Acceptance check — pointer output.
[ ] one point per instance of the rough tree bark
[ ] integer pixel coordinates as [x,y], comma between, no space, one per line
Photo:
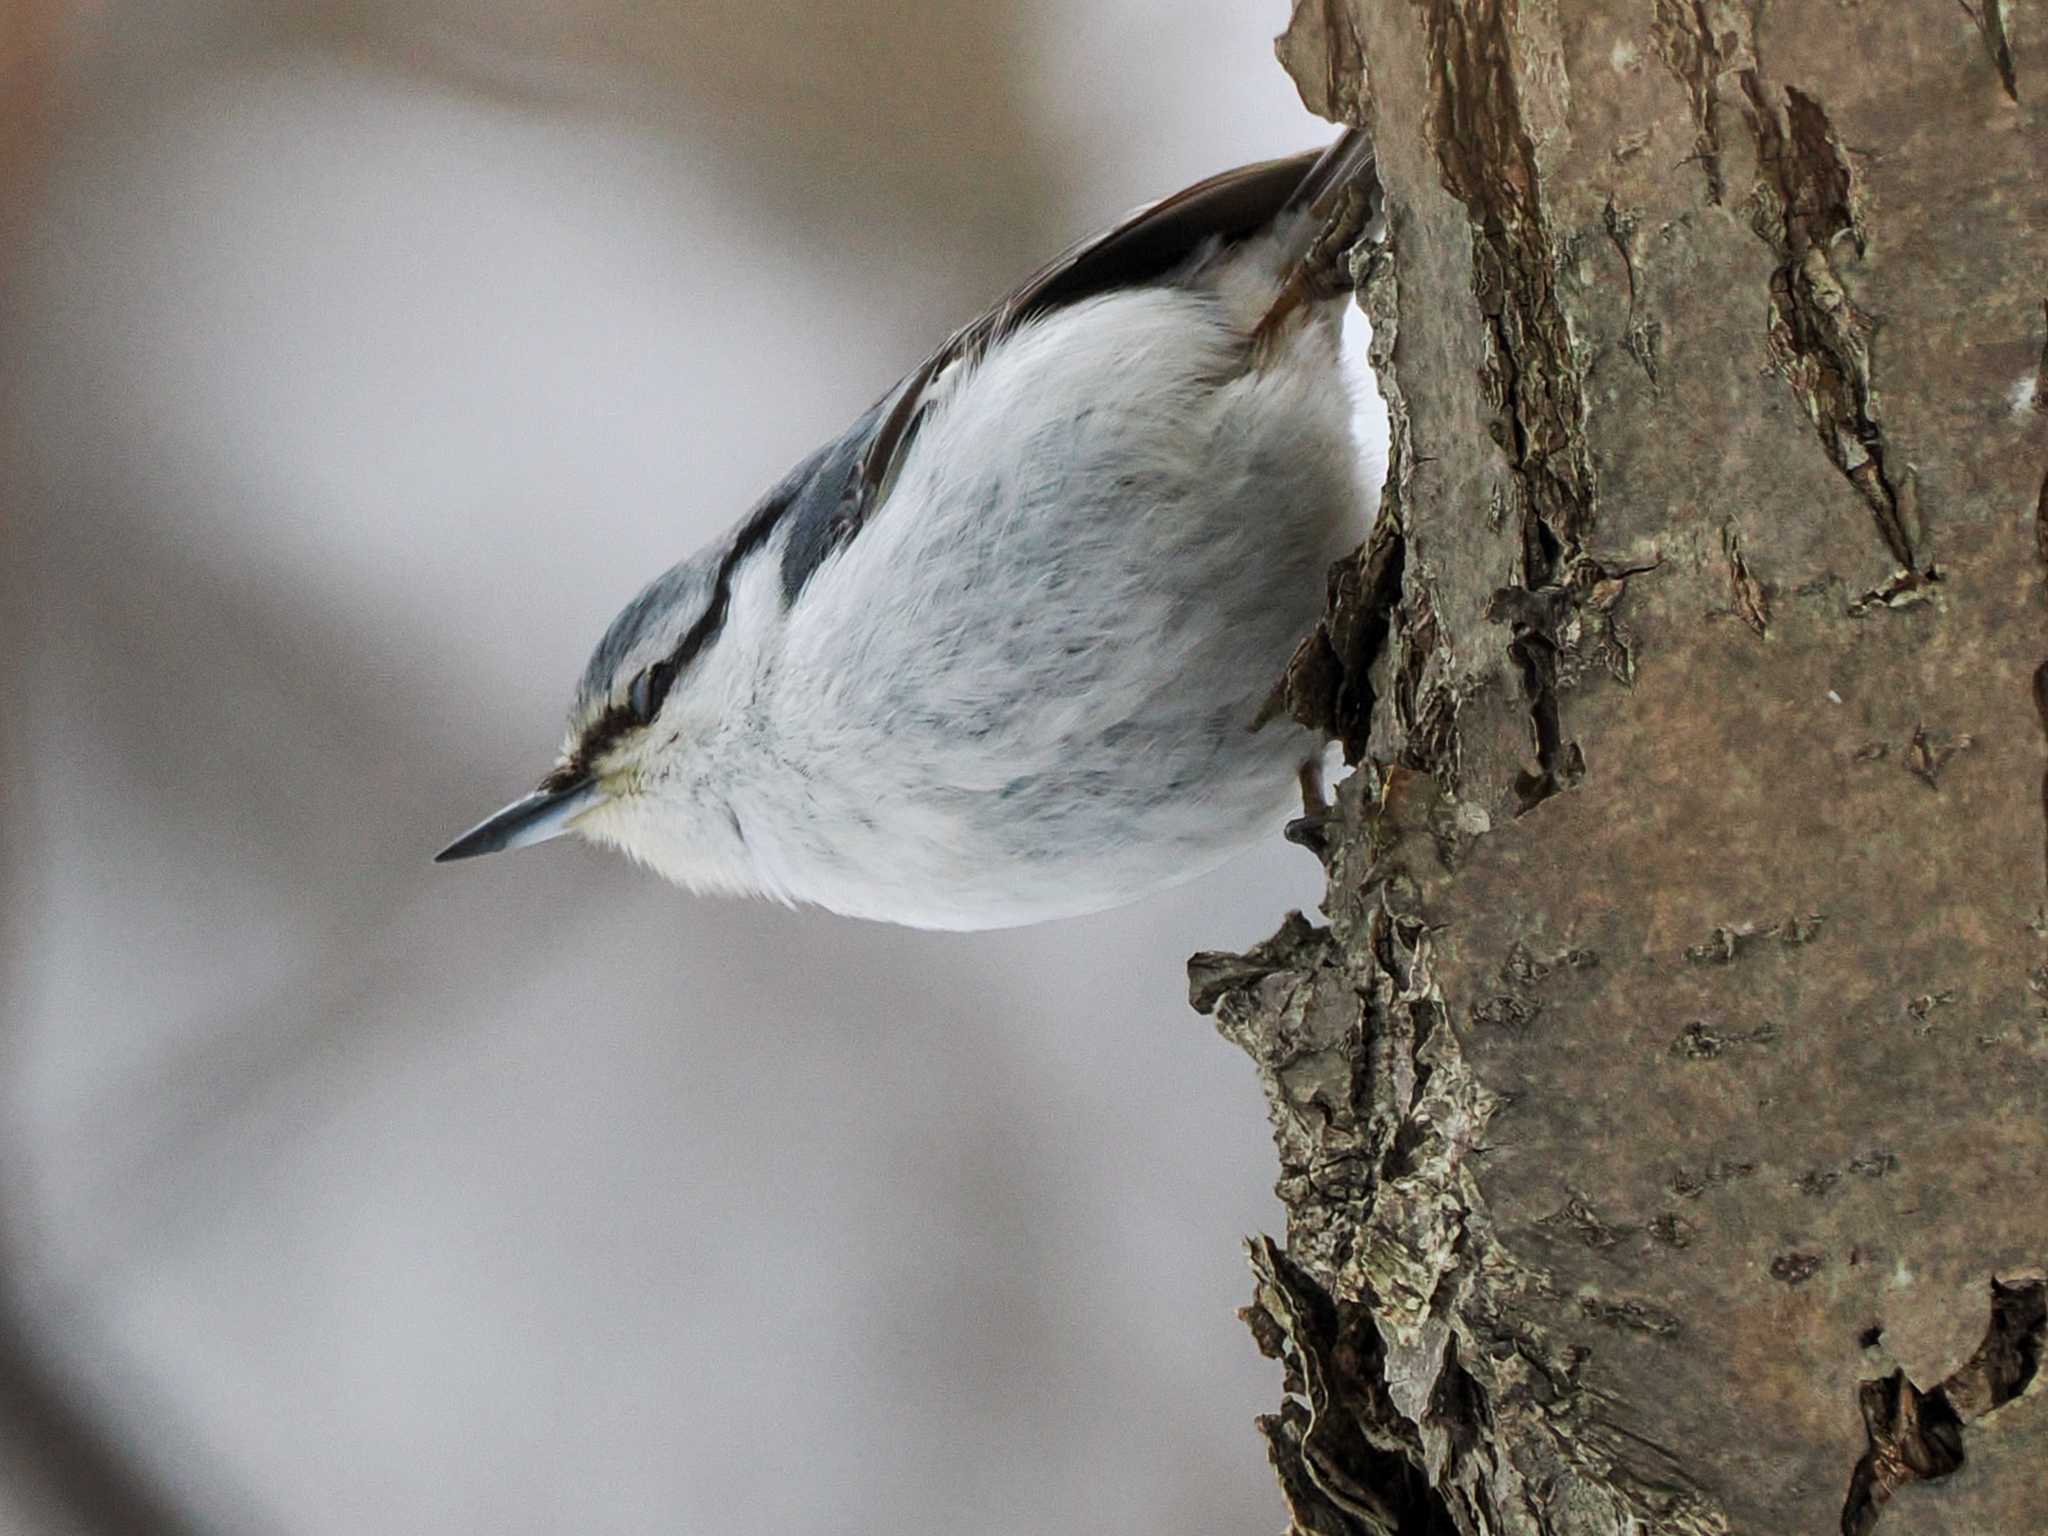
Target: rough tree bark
[1663,1110]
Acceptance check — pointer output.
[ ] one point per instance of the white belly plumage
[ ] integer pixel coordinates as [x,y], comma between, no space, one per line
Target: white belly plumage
[1026,690]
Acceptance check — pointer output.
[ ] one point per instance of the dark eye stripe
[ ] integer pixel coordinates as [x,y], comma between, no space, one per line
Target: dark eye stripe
[619,719]
[807,499]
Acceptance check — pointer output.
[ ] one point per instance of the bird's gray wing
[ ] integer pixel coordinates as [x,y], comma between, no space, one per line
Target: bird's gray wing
[826,500]
[1143,246]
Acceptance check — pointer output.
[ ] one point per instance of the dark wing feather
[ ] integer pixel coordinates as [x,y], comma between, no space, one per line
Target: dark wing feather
[1145,245]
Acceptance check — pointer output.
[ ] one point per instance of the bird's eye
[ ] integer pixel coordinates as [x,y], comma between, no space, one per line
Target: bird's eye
[645,693]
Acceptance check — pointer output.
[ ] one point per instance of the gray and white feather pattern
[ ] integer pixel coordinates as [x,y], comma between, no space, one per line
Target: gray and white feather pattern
[1020,683]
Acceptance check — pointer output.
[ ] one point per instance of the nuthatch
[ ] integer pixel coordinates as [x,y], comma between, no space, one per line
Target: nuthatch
[995,654]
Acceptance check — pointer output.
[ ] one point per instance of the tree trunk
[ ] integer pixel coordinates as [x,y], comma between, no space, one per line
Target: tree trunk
[1663,1111]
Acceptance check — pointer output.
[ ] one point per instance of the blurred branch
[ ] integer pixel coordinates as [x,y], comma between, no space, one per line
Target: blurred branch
[58,1459]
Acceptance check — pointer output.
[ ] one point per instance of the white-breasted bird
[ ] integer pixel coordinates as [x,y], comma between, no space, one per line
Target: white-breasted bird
[995,654]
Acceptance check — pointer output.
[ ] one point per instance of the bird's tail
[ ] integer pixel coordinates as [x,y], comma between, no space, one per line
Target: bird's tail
[1348,162]
[1340,204]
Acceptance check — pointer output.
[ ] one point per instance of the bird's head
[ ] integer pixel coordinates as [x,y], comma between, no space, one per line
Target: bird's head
[654,686]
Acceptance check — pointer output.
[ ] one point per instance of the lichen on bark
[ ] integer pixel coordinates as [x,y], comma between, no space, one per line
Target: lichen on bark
[1657,1097]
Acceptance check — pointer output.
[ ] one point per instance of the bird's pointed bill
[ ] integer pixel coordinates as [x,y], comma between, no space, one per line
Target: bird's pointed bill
[544,814]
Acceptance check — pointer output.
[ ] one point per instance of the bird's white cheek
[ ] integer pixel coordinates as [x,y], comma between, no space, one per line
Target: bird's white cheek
[680,840]
[635,826]
[611,822]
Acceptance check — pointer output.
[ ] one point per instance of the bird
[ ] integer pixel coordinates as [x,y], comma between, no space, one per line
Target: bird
[1005,651]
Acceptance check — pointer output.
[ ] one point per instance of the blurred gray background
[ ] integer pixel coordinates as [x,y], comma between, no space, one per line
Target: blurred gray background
[359,360]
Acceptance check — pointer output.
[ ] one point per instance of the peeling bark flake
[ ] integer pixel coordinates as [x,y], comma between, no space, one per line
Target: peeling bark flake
[1752,602]
[1928,755]
[1641,338]
[1328,685]
[1990,19]
[1918,1437]
[1398,1396]
[1333,1476]
[1802,207]
[1322,52]
[1698,56]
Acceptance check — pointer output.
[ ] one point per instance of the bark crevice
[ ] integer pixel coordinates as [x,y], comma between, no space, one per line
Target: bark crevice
[1918,1437]
[1533,378]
